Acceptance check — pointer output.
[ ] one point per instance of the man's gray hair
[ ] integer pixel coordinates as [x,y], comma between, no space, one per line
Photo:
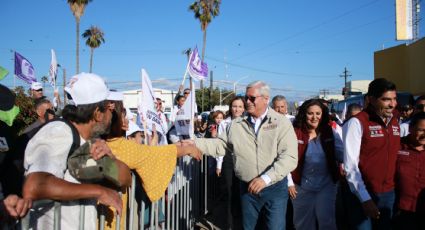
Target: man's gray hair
[278,98]
[263,88]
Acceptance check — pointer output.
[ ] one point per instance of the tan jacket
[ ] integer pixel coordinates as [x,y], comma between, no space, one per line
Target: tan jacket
[273,151]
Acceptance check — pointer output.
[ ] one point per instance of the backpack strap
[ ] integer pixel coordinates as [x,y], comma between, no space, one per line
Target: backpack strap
[75,135]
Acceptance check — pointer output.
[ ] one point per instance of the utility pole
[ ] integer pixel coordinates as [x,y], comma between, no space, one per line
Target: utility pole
[345,75]
[324,92]
[64,83]
[416,18]
[211,89]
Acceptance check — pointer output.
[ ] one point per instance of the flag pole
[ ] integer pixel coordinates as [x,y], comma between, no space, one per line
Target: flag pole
[145,126]
[141,115]
[185,74]
[14,74]
[187,68]
[192,91]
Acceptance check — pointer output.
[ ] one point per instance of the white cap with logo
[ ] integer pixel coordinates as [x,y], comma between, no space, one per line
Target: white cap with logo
[36,85]
[87,88]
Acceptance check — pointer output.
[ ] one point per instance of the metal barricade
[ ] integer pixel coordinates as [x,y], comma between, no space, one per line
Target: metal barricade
[184,202]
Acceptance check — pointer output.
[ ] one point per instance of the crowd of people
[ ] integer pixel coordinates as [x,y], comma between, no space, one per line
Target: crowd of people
[309,170]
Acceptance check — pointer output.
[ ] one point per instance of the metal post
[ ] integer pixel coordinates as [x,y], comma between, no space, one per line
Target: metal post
[132,200]
[102,217]
[57,216]
[64,83]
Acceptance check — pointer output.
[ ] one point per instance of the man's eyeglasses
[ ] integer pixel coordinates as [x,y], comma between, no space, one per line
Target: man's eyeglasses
[186,92]
[251,98]
[39,90]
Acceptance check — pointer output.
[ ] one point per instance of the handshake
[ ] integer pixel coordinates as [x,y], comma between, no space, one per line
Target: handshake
[188,147]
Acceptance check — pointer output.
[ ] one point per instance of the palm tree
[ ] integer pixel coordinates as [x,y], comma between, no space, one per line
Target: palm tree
[94,37]
[44,79]
[77,8]
[204,11]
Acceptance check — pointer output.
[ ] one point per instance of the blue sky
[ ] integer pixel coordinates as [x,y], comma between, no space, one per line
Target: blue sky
[298,47]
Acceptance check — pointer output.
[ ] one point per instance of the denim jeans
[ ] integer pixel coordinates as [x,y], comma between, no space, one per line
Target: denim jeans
[384,202]
[273,199]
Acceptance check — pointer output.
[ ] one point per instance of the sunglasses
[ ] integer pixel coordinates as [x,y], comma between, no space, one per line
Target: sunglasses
[186,92]
[39,90]
[50,111]
[251,98]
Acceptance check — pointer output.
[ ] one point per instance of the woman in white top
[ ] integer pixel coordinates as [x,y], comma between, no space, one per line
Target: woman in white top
[224,169]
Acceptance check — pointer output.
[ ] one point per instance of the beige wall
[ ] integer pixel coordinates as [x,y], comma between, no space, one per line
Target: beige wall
[404,65]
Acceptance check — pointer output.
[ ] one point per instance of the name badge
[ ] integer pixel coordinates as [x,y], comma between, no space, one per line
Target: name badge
[396,131]
[376,133]
[375,127]
[269,127]
[300,142]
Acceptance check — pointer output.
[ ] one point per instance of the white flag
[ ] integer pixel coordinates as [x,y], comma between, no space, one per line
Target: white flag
[146,105]
[53,71]
[184,118]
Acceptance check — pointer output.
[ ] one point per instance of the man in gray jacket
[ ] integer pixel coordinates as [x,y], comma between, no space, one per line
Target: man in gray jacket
[264,148]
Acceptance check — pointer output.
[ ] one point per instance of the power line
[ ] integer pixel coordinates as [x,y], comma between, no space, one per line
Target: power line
[307,30]
[268,71]
[330,36]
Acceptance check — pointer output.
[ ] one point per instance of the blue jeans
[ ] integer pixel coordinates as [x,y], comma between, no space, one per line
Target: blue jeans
[384,202]
[273,199]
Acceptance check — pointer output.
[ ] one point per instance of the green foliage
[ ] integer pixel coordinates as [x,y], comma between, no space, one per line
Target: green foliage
[94,36]
[27,113]
[205,10]
[211,100]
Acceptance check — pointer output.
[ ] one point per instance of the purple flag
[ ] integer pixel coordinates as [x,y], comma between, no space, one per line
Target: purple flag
[197,69]
[24,69]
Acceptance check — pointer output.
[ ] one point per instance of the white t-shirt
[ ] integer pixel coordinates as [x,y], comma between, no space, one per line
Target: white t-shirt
[47,152]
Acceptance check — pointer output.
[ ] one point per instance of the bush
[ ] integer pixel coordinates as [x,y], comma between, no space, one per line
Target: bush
[27,113]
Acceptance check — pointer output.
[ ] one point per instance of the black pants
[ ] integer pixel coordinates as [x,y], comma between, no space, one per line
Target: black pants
[230,193]
[409,220]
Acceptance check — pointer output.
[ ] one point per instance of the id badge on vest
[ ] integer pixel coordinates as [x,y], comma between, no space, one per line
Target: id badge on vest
[376,131]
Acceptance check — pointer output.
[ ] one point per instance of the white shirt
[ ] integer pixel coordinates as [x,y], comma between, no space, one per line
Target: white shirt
[221,129]
[404,129]
[174,113]
[257,122]
[290,117]
[352,137]
[47,152]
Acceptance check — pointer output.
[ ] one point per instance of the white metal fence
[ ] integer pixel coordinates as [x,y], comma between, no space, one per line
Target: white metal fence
[184,202]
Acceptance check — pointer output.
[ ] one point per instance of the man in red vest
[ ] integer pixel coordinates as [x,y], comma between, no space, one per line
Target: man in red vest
[371,142]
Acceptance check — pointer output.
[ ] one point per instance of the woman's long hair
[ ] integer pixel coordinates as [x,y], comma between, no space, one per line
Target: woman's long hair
[301,118]
[116,121]
[230,114]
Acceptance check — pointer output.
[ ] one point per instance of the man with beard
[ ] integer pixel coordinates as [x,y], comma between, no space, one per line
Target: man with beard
[47,176]
[371,142]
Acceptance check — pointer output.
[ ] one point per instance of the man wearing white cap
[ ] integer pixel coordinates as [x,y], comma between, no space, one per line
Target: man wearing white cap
[47,176]
[36,90]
